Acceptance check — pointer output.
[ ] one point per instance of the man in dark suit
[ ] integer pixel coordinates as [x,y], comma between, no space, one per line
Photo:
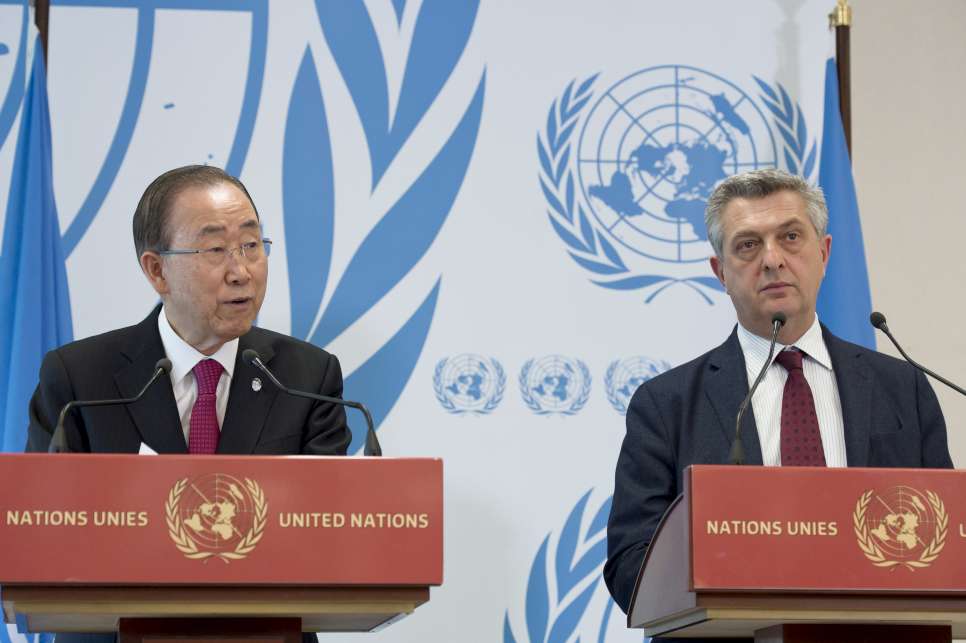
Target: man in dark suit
[198,240]
[768,231]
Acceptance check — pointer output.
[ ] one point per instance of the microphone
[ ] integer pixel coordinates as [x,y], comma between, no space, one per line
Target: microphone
[58,441]
[878,320]
[737,455]
[372,443]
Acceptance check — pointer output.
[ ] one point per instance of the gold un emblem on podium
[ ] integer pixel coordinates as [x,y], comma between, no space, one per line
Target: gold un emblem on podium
[216,515]
[901,526]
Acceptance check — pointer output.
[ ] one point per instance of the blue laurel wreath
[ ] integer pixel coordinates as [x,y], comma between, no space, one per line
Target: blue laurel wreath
[568,604]
[441,396]
[611,388]
[410,225]
[492,401]
[534,405]
[586,244]
[790,123]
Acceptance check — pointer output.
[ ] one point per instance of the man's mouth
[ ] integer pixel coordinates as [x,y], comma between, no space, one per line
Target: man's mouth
[239,301]
[777,285]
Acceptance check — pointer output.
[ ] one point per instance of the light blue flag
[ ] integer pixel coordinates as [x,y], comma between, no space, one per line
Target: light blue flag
[34,305]
[844,302]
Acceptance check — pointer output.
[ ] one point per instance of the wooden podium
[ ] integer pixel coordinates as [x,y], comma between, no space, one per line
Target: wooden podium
[800,554]
[217,547]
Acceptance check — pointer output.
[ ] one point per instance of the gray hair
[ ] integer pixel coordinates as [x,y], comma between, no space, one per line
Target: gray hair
[154,208]
[757,184]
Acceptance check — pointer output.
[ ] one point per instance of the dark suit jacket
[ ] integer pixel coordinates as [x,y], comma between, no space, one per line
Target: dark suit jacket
[687,416]
[118,363]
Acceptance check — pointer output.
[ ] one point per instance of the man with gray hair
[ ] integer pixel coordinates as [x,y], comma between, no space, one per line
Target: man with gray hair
[769,233]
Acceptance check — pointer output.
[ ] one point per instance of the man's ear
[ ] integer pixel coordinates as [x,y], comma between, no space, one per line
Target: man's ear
[153,269]
[718,270]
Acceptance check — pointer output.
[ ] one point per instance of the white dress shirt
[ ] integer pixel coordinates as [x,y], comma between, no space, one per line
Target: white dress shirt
[183,358]
[767,401]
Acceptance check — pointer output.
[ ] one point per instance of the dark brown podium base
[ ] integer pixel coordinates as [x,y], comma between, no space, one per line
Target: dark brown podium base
[210,630]
[809,633]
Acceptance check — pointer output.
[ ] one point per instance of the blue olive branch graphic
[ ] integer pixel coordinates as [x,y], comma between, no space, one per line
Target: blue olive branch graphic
[790,123]
[409,227]
[577,576]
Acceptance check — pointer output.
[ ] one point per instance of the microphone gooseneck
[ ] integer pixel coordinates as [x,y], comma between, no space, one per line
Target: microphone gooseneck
[58,441]
[372,447]
[737,455]
[878,320]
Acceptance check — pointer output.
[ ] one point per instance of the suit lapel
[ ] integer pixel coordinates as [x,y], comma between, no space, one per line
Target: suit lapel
[854,381]
[247,408]
[726,385]
[156,414]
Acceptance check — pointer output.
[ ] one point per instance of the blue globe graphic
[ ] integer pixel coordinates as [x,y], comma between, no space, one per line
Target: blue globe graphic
[468,381]
[654,146]
[554,381]
[634,371]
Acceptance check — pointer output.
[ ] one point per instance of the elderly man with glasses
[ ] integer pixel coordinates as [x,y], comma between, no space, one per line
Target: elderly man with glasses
[199,242]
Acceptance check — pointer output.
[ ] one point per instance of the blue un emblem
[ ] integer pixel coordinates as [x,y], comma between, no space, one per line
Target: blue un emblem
[627,194]
[469,383]
[624,376]
[654,146]
[555,385]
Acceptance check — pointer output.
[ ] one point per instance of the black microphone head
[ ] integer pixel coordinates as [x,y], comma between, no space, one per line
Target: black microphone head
[877,319]
[779,318]
[251,356]
[164,364]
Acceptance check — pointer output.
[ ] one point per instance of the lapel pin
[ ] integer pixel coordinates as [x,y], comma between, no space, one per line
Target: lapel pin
[256,385]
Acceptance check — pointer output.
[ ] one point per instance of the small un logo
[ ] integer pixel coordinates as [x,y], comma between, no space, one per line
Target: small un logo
[469,384]
[901,526]
[216,515]
[623,376]
[555,385]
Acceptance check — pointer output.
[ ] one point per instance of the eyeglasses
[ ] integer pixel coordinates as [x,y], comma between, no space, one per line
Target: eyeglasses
[250,251]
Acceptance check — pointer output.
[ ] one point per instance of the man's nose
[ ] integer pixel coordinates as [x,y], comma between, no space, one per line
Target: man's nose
[236,269]
[773,257]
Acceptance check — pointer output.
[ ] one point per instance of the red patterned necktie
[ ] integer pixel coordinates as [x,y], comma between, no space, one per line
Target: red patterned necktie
[801,440]
[203,428]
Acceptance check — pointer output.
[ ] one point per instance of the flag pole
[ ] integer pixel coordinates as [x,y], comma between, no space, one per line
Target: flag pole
[42,20]
[841,20]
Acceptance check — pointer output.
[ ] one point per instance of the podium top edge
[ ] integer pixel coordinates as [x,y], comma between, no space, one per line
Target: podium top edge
[219,457]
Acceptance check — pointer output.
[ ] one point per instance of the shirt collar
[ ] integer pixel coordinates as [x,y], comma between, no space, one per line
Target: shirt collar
[184,357]
[755,348]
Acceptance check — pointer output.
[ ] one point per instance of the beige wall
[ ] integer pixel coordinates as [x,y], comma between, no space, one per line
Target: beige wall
[909,159]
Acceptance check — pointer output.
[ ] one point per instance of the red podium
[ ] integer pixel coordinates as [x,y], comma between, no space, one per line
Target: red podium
[217,547]
[808,554]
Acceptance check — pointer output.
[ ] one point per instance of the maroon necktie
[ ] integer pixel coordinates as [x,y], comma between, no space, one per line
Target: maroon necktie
[203,428]
[801,441]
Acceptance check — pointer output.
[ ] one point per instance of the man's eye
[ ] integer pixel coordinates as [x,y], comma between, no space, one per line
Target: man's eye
[746,245]
[216,250]
[792,236]
[249,245]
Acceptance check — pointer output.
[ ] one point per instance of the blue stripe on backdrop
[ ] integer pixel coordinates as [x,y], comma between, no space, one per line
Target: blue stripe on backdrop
[844,302]
[35,315]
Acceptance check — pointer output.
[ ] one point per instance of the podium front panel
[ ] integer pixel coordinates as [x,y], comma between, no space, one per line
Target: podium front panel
[827,530]
[86,519]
